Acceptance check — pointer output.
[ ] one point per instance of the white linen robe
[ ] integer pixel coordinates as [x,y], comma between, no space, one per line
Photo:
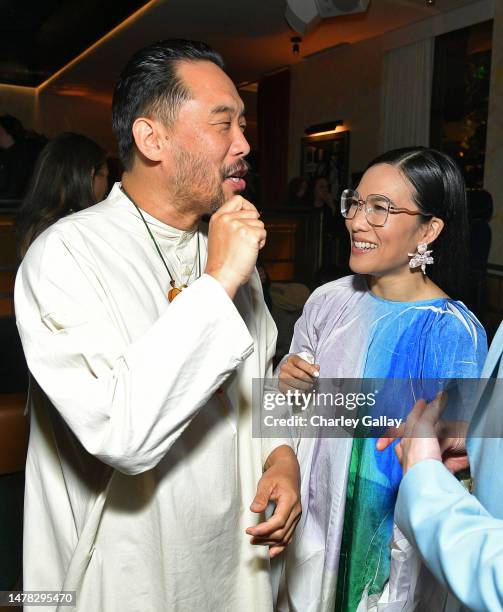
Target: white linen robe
[140,472]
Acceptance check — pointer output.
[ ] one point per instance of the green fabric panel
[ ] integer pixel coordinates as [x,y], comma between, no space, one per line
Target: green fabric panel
[344,591]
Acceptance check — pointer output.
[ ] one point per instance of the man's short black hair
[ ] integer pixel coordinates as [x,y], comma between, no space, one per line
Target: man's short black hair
[150,86]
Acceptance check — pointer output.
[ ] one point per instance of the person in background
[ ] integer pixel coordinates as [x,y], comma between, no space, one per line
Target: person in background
[335,244]
[394,319]
[297,192]
[320,196]
[459,535]
[16,162]
[71,174]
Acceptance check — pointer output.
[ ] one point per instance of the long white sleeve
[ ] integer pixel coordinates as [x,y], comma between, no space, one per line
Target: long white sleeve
[126,399]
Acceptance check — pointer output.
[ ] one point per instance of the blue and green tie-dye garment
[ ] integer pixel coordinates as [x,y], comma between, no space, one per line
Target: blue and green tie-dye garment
[349,489]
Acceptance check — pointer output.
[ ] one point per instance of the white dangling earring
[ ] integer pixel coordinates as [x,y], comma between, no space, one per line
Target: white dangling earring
[421,258]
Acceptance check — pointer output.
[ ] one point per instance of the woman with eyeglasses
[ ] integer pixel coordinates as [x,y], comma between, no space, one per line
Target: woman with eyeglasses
[396,318]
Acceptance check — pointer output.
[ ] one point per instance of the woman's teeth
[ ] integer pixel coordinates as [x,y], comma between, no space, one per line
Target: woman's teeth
[236,179]
[364,245]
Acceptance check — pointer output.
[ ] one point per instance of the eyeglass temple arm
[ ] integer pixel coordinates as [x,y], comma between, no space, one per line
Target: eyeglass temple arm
[395,211]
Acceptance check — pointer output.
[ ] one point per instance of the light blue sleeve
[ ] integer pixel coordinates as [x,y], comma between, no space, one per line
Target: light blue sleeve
[460,541]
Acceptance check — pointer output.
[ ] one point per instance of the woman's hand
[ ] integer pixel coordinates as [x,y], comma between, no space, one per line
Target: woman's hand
[297,374]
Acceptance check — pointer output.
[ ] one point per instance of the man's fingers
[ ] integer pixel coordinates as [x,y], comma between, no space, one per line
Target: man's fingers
[259,503]
[267,528]
[276,550]
[245,204]
[264,542]
[262,236]
[291,529]
[234,204]
[286,511]
[279,534]
[276,538]
[252,223]
[242,214]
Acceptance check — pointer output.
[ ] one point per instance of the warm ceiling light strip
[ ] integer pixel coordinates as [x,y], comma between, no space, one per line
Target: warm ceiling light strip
[99,42]
[325,133]
[12,86]
[329,127]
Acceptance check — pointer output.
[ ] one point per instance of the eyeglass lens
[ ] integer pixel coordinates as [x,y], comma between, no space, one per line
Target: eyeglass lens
[375,207]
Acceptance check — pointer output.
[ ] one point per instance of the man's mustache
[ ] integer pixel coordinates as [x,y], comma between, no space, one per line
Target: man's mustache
[240,168]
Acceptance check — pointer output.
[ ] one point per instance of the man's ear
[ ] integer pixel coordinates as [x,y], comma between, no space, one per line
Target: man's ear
[432,230]
[149,138]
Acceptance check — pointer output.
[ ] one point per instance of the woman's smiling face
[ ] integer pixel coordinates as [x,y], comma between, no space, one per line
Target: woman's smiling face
[379,251]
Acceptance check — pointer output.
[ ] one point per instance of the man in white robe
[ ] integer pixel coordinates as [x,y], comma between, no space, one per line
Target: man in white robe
[141,465]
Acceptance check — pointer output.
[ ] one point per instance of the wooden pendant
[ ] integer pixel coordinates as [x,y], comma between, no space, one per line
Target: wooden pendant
[174,291]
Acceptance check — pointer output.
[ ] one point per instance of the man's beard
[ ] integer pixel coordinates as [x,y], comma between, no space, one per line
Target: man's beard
[197,185]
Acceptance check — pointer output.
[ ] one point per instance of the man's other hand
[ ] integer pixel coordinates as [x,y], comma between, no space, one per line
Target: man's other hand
[280,483]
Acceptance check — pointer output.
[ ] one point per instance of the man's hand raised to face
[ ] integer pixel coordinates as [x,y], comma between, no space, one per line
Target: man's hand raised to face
[235,237]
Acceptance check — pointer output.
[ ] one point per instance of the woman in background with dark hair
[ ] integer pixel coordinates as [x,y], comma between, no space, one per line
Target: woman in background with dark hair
[71,174]
[394,319]
[297,192]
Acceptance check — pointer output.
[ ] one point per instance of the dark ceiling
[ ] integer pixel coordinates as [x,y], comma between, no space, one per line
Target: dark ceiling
[37,38]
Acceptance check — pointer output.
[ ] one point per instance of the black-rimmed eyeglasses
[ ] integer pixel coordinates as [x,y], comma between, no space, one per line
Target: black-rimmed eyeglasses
[376,207]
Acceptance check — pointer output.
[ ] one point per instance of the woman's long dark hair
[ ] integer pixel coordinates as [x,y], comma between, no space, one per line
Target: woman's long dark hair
[439,190]
[61,182]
